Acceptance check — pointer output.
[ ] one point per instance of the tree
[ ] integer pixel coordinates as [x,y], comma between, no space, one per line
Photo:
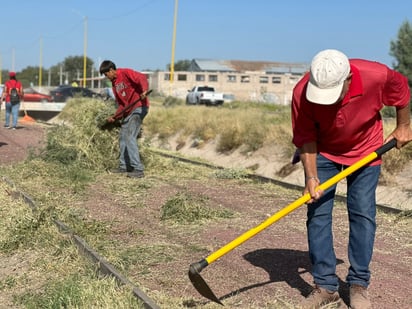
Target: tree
[29,76]
[70,69]
[74,66]
[401,50]
[181,65]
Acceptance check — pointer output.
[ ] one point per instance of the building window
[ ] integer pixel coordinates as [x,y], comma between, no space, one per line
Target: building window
[212,78]
[231,78]
[167,76]
[182,77]
[200,77]
[263,79]
[293,80]
[245,79]
[276,80]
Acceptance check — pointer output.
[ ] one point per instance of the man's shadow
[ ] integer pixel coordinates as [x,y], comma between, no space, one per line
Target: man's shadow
[3,144]
[284,265]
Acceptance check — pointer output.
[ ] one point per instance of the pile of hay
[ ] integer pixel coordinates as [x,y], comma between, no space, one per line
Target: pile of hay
[80,139]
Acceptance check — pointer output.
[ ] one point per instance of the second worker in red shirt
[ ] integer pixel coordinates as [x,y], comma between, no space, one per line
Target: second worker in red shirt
[336,121]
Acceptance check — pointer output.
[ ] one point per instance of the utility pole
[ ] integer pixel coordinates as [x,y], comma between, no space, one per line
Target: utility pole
[40,62]
[13,59]
[85,53]
[172,61]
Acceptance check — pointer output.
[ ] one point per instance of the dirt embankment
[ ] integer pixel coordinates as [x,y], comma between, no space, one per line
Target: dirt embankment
[270,161]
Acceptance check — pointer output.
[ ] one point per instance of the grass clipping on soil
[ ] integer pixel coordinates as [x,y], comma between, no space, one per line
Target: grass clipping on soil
[185,208]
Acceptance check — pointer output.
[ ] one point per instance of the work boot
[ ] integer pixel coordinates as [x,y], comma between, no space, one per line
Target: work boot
[320,297]
[119,170]
[359,298]
[136,174]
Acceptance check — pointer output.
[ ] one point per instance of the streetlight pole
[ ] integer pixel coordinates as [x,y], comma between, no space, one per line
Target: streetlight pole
[85,52]
[84,46]
[13,59]
[40,62]
[172,61]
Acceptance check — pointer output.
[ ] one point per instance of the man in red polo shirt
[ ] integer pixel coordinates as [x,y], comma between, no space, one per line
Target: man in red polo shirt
[129,88]
[336,122]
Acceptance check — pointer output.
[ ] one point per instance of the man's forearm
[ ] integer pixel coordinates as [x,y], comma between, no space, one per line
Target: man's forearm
[403,116]
[308,153]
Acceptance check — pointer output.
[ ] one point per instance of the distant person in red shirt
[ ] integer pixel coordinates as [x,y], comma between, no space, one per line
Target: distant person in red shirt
[336,122]
[129,89]
[12,102]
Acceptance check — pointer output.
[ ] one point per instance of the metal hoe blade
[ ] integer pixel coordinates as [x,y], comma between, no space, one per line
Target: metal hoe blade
[199,283]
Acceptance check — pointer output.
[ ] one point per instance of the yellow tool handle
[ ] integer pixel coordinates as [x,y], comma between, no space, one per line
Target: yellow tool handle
[299,202]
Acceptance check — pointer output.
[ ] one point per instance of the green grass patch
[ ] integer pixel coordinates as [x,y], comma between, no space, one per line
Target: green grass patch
[185,208]
[231,173]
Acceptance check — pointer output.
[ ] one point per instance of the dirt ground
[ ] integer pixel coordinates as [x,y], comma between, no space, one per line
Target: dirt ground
[274,265]
[15,145]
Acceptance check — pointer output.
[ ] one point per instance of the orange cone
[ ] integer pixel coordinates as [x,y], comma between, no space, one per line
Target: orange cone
[27,117]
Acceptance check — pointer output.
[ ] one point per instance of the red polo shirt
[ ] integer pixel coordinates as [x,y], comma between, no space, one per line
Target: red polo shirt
[128,86]
[347,131]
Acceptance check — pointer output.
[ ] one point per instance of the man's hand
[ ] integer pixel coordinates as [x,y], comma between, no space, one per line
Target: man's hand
[143,95]
[111,119]
[403,130]
[311,184]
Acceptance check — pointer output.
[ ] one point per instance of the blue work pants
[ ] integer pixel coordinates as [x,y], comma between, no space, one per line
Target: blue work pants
[361,207]
[129,151]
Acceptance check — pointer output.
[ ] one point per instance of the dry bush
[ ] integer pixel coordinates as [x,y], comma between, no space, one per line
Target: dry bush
[248,127]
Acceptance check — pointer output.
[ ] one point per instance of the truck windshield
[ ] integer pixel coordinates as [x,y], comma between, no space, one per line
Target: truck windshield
[211,89]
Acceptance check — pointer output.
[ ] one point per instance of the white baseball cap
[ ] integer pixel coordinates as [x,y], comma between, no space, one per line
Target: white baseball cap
[328,71]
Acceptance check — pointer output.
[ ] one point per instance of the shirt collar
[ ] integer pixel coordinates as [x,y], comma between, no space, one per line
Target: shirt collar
[356,87]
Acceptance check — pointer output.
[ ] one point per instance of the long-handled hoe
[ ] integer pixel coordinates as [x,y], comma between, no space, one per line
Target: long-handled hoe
[195,268]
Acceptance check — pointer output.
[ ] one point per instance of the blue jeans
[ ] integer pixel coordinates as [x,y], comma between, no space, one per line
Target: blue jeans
[129,150]
[13,110]
[361,206]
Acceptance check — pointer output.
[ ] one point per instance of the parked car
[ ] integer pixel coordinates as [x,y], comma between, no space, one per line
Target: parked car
[204,95]
[65,92]
[31,95]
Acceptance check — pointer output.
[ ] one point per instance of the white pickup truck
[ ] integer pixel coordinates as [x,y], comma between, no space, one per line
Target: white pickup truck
[204,95]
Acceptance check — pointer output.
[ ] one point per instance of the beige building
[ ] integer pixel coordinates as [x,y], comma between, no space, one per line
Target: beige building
[259,81]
